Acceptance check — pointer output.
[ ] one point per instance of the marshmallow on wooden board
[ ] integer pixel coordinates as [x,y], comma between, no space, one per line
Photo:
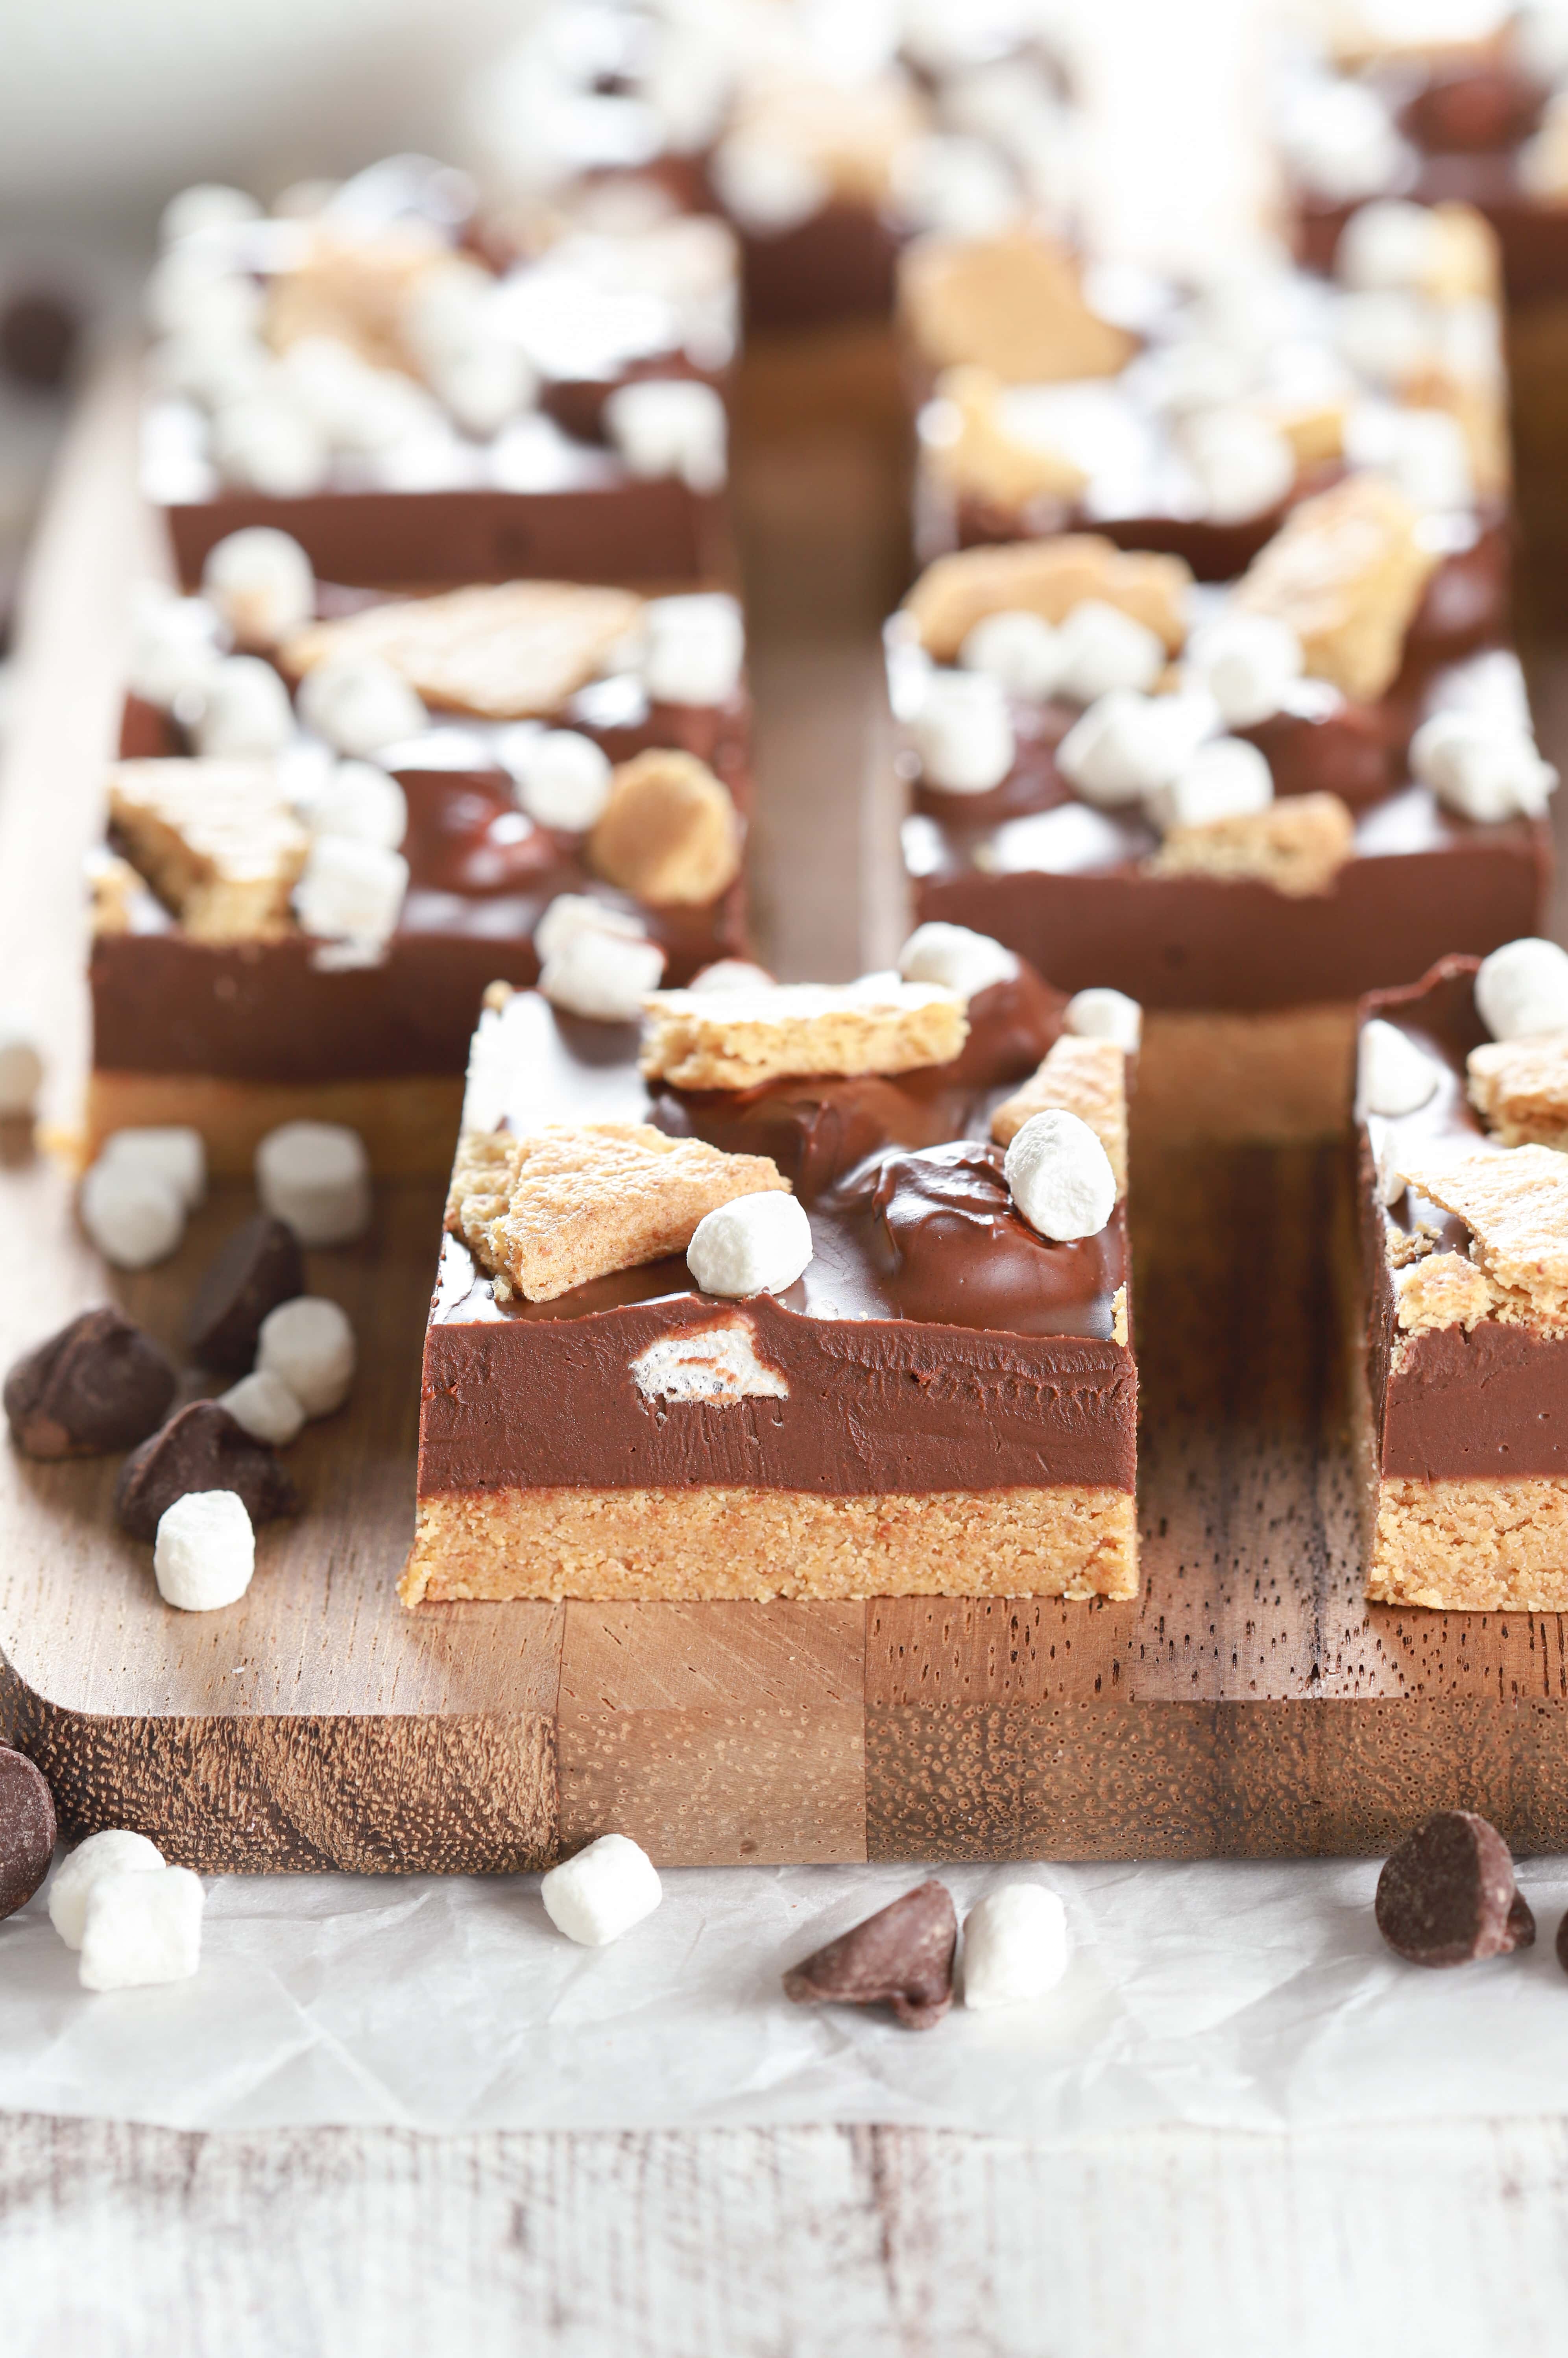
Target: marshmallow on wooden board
[577,913]
[359,704]
[135,1216]
[1060,1177]
[177,644]
[755,1244]
[266,1408]
[350,891]
[1247,663]
[1018,649]
[965,961]
[359,801]
[1015,1945]
[205,1550]
[562,779]
[695,647]
[264,443]
[1394,1076]
[963,733]
[1104,1014]
[308,1344]
[115,1851]
[1127,746]
[671,426]
[205,206]
[261,582]
[314,1176]
[21,1068]
[1522,988]
[1485,769]
[1225,779]
[172,1151]
[141,1929]
[1100,648]
[602,1892]
[601,973]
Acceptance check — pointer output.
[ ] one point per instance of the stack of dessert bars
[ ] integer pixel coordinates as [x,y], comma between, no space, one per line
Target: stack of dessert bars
[1223,804]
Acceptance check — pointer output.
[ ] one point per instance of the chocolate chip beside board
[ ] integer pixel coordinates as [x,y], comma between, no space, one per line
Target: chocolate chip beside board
[202,1448]
[1447,1895]
[27,1830]
[100,1384]
[257,1268]
[902,1957]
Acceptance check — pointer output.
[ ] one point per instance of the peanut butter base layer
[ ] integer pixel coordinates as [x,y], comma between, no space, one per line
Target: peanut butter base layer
[1470,1546]
[1074,1541]
[409,1126]
[1279,1078]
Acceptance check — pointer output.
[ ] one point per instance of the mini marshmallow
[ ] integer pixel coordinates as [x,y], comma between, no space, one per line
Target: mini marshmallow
[1019,649]
[175,646]
[732,974]
[142,1929]
[264,444]
[695,646]
[766,186]
[1225,779]
[308,1344]
[134,1218]
[1522,988]
[264,1404]
[1126,746]
[1060,1176]
[602,1892]
[1243,464]
[963,733]
[755,1244]
[1390,243]
[1247,664]
[359,705]
[671,426]
[1393,1075]
[262,583]
[174,1153]
[358,409]
[1384,335]
[1105,1014]
[1100,649]
[315,1176]
[359,802]
[1424,452]
[562,779]
[350,891]
[577,913]
[205,1550]
[21,1070]
[1015,1945]
[193,285]
[957,187]
[245,708]
[600,974]
[214,363]
[209,205]
[965,961]
[1391,1181]
[485,385]
[1484,769]
[447,310]
[115,1851]
[1340,138]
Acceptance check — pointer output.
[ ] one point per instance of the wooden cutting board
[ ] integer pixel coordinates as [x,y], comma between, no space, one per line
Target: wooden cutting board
[1246,1702]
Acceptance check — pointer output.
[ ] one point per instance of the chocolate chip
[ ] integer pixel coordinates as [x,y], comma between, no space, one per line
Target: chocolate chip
[27,1830]
[202,1448]
[902,1957]
[258,1267]
[1447,1894]
[99,1384]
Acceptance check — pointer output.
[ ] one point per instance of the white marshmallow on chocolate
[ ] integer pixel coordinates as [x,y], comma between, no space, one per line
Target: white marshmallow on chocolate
[1015,1945]
[1060,1176]
[1394,1076]
[308,1344]
[1390,243]
[671,426]
[361,803]
[766,186]
[351,891]
[1384,335]
[244,710]
[1391,1179]
[1340,138]
[577,912]
[214,363]
[359,705]
[266,1408]
[1105,1014]
[732,974]
[1126,746]
[115,1851]
[957,187]
[1225,779]
[1522,988]
[206,205]
[695,647]
[21,1070]
[265,443]
[173,1153]
[142,1930]
[594,972]
[965,961]
[358,408]
[314,1176]
[205,1550]
[602,1892]
[177,644]
[1483,768]
[755,1244]
[1423,451]
[1247,663]
[135,1218]
[194,285]
[963,733]
[562,779]
[261,582]
[485,383]
[1019,649]
[1243,464]
[1099,649]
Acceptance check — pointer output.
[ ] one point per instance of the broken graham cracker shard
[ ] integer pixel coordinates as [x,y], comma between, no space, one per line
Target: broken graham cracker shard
[974,453]
[1088,1078]
[571,1202]
[1443,1290]
[1048,577]
[738,1040]
[670,834]
[1347,571]
[216,840]
[513,651]
[1521,1089]
[1298,844]
[1514,1202]
[1013,304]
[354,289]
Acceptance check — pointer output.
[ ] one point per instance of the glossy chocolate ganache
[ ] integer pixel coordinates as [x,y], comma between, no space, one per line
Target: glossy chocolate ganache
[1492,1403]
[935,1341]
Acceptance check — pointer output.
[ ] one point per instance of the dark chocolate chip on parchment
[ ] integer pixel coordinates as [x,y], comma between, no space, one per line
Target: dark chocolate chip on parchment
[1447,1896]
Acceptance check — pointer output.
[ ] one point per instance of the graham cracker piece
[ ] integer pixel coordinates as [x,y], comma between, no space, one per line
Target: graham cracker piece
[739,1039]
[1088,1078]
[1047,577]
[1013,304]
[1298,844]
[1443,1290]
[574,1201]
[216,840]
[849,132]
[513,651]
[1347,571]
[1314,430]
[1520,1087]
[981,458]
[354,289]
[670,834]
[1515,1205]
[1405,1245]
[113,890]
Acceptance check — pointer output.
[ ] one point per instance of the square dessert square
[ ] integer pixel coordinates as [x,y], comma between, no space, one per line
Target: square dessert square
[514,748]
[1463,1374]
[941,1401]
[1243,806]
